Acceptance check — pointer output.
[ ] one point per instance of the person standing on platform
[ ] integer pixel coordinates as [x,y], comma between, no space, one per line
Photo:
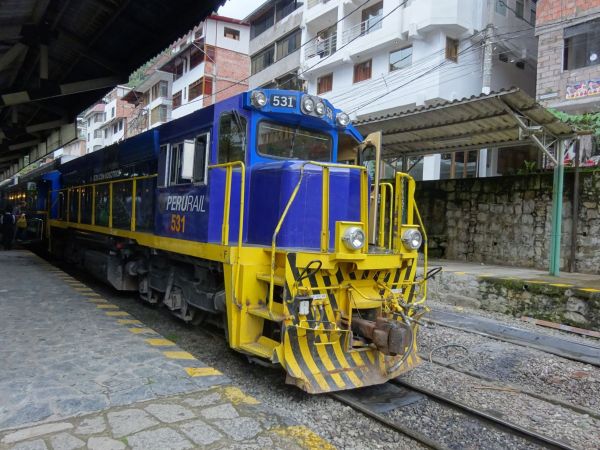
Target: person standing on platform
[8,228]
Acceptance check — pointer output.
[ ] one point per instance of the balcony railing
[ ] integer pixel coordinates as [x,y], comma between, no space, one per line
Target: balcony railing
[366,27]
[312,3]
[322,47]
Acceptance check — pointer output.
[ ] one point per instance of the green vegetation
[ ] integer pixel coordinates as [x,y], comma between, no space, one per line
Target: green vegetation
[585,122]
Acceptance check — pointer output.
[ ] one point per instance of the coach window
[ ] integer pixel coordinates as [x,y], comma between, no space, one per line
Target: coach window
[232,137]
[176,165]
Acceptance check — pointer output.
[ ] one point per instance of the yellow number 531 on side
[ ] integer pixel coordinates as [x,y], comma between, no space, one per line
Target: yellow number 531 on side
[177,223]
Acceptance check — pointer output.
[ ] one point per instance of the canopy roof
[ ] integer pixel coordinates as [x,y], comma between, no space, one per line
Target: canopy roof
[58,57]
[495,120]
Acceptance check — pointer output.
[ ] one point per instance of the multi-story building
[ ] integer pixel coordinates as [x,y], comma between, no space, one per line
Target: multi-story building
[568,76]
[384,56]
[94,118]
[106,121]
[208,64]
[275,40]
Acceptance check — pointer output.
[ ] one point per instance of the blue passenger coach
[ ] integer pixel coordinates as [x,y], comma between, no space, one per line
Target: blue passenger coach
[241,214]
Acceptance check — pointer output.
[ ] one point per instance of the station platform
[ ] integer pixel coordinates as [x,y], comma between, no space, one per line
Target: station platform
[570,298]
[78,372]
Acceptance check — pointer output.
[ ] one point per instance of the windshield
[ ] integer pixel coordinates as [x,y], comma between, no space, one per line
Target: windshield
[282,141]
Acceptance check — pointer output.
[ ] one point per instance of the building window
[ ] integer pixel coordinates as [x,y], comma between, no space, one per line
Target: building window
[160,89]
[195,89]
[106,133]
[501,7]
[262,23]
[97,134]
[362,71]
[121,124]
[196,57]
[288,44]
[231,33]
[177,100]
[372,18]
[112,112]
[179,69]
[88,137]
[289,81]
[98,118]
[532,17]
[158,114]
[210,53]
[325,83]
[452,49]
[115,128]
[89,122]
[399,59]
[519,9]
[284,9]
[582,45]
[263,59]
[208,86]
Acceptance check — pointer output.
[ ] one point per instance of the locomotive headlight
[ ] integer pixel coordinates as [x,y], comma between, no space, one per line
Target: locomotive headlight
[354,238]
[342,119]
[308,104]
[258,99]
[320,108]
[412,239]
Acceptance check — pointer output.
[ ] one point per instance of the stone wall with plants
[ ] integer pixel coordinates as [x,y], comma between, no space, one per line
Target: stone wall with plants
[507,220]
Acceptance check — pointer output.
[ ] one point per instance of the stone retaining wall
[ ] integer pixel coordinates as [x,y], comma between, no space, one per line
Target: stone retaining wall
[571,306]
[507,220]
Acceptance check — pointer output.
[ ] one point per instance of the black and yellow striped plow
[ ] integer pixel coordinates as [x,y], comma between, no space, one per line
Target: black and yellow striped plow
[317,367]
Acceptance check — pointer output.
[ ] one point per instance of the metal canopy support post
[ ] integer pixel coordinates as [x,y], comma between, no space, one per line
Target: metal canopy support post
[557,194]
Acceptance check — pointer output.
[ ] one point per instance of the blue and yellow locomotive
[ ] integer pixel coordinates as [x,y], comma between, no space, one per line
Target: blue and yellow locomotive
[241,214]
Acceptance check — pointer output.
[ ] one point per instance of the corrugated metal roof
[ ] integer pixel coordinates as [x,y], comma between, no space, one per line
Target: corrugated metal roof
[477,121]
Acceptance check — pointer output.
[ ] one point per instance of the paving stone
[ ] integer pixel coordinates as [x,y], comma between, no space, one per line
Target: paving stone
[129,421]
[31,445]
[170,413]
[240,428]
[159,439]
[31,432]
[205,400]
[226,411]
[65,441]
[104,443]
[92,425]
[200,432]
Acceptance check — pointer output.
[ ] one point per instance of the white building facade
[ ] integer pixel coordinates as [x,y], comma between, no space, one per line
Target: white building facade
[275,40]
[392,55]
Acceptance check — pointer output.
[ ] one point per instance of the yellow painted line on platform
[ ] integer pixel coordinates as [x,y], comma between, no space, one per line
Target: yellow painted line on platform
[107,306]
[589,290]
[92,294]
[535,282]
[304,437]
[236,396]
[97,300]
[485,275]
[178,355]
[461,273]
[199,371]
[129,322]
[141,330]
[561,285]
[160,342]
[117,313]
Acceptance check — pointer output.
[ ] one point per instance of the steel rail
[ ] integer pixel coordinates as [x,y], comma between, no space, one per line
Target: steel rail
[522,343]
[505,424]
[388,423]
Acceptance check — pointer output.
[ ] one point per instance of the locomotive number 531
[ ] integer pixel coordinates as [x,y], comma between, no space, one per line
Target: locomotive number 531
[177,223]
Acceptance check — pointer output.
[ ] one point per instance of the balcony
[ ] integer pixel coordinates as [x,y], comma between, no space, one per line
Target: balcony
[361,29]
[312,3]
[322,48]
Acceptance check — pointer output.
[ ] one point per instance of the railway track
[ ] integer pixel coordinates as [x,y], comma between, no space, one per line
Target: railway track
[377,406]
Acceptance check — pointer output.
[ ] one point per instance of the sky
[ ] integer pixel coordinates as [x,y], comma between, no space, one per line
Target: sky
[239,9]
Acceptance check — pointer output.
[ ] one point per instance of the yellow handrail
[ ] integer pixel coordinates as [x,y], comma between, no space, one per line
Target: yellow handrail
[324,221]
[227,206]
[385,189]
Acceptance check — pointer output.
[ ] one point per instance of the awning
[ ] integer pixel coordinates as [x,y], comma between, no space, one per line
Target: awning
[496,120]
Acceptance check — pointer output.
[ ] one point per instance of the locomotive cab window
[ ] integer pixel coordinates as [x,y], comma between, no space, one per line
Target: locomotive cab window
[289,142]
[232,138]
